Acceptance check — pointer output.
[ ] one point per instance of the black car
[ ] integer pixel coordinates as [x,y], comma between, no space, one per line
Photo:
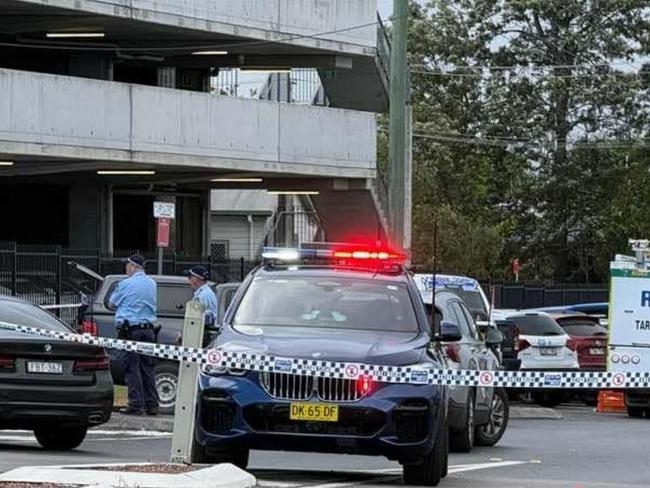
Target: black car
[57,389]
[329,306]
[98,318]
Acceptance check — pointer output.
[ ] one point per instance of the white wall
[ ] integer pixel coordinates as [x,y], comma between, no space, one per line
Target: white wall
[235,230]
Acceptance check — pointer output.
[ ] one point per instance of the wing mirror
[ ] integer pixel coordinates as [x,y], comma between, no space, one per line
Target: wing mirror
[493,337]
[449,332]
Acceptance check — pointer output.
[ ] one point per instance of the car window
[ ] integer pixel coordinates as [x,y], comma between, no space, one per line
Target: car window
[172,298]
[327,302]
[473,332]
[27,314]
[471,298]
[539,325]
[460,319]
[230,294]
[583,327]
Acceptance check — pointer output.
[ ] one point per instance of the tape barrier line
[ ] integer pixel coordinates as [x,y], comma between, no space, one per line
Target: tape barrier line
[418,375]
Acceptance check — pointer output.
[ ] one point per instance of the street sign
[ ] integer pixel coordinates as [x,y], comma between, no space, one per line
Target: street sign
[165,210]
[162,232]
[629,319]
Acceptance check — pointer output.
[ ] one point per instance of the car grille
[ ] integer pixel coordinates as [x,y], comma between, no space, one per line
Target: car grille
[298,387]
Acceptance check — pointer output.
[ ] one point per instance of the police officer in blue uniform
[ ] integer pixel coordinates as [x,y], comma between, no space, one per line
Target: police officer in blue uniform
[134,300]
[198,277]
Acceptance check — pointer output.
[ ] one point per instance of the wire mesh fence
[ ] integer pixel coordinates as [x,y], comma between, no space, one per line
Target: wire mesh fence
[50,275]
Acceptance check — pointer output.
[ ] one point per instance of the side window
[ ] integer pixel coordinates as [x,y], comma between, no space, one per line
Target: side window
[107,297]
[461,320]
[172,298]
[473,331]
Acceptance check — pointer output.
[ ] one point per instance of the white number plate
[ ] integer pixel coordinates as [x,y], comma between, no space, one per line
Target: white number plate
[594,351]
[44,368]
[548,351]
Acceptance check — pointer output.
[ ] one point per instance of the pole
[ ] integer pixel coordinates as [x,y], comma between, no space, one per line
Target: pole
[397,127]
[160,260]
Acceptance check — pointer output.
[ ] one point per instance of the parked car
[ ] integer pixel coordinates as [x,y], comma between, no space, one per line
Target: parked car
[173,293]
[587,337]
[476,415]
[352,312]
[57,389]
[600,310]
[542,346]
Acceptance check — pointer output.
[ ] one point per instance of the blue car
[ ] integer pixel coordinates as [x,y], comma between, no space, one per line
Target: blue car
[350,310]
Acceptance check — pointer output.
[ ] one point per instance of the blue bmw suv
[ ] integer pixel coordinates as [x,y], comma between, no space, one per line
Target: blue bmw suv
[331,305]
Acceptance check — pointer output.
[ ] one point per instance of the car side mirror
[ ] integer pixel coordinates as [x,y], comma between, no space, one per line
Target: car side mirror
[493,337]
[449,332]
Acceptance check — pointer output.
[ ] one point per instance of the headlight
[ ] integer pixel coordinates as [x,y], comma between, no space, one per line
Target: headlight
[221,370]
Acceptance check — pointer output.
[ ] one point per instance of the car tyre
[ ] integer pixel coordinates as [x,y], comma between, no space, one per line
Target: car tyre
[635,412]
[166,377]
[60,438]
[490,433]
[432,467]
[463,440]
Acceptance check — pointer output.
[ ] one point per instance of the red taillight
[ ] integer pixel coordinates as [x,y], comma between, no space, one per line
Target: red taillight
[7,363]
[98,363]
[88,327]
[572,343]
[515,339]
[522,344]
[453,352]
[364,384]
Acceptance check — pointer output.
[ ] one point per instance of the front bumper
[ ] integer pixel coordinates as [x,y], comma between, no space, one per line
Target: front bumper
[395,420]
[29,406]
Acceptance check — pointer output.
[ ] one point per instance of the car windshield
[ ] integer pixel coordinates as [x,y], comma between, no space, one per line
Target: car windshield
[536,325]
[582,327]
[21,313]
[327,302]
[472,299]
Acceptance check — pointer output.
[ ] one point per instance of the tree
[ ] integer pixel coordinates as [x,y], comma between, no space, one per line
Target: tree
[523,110]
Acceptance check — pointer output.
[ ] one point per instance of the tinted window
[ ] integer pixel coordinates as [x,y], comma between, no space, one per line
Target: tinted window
[460,318]
[471,298]
[328,302]
[30,315]
[172,298]
[470,322]
[582,327]
[539,325]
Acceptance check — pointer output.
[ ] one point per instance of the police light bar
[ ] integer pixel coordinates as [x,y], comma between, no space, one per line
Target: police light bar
[337,253]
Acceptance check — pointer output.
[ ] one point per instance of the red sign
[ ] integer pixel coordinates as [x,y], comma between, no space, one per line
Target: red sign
[162,232]
[515,265]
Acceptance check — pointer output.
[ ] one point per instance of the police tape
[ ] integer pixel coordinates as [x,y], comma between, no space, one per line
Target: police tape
[219,360]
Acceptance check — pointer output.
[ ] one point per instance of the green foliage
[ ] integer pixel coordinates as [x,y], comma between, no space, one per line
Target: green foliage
[547,165]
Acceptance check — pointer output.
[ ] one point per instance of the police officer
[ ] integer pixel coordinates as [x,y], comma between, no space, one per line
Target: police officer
[134,300]
[198,277]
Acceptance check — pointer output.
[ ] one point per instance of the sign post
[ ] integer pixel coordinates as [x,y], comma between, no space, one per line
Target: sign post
[163,212]
[515,269]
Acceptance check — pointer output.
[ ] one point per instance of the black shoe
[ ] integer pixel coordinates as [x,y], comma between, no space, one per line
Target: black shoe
[152,411]
[138,412]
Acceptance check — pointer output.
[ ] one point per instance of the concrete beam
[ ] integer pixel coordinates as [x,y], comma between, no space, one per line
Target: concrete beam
[345,26]
[48,116]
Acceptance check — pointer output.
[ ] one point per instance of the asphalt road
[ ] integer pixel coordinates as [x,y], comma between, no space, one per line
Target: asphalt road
[582,450]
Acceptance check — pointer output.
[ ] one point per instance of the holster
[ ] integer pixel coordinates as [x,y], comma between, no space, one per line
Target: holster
[123,331]
[156,331]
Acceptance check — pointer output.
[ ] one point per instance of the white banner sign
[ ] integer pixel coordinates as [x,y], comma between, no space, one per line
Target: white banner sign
[164,210]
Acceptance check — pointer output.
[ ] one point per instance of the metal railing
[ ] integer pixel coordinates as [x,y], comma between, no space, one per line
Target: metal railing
[46,275]
[292,228]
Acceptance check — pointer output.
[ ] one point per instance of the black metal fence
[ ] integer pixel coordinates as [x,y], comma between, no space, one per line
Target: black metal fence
[534,295]
[47,275]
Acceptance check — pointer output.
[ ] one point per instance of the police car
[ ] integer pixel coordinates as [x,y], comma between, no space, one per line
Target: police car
[327,303]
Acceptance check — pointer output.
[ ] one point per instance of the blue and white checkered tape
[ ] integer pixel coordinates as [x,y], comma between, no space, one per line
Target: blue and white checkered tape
[416,375]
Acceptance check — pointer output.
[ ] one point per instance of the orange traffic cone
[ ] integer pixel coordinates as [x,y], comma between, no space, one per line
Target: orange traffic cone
[610,401]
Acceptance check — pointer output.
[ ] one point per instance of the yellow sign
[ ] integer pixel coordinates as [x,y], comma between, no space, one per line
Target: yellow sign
[320,412]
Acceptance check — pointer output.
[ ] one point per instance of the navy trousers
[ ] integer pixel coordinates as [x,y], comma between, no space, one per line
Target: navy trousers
[139,374]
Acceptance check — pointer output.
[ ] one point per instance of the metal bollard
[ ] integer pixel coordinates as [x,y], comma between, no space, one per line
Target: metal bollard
[187,389]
